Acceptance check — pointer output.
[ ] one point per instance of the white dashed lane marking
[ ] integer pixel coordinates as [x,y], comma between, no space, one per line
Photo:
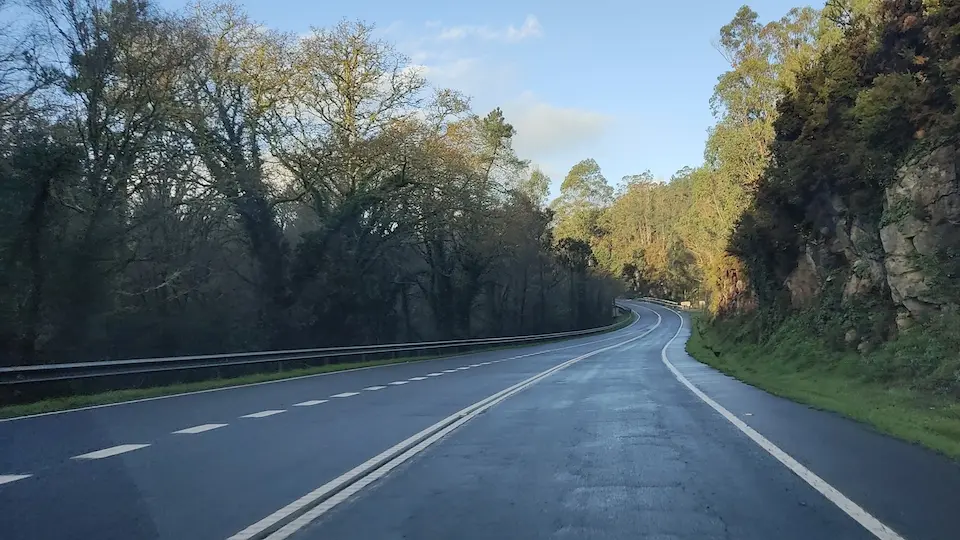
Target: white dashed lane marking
[310,403]
[199,429]
[124,448]
[7,478]
[112,451]
[263,414]
[286,521]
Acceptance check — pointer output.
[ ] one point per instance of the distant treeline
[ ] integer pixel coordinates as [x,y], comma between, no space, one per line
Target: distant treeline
[175,183]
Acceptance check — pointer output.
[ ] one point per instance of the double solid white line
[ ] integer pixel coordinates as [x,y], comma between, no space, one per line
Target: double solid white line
[294,516]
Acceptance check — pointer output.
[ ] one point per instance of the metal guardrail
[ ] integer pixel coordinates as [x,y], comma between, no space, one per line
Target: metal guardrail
[50,373]
[684,306]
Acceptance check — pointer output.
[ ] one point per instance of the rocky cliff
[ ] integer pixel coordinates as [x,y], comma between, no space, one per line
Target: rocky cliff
[908,257]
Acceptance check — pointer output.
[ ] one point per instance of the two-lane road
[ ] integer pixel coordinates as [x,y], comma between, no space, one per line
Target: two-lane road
[209,464]
[613,445]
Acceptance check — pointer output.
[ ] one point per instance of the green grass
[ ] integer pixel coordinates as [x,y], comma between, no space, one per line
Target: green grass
[900,388]
[118,396]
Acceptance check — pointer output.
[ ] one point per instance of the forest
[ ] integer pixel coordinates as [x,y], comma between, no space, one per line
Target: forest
[829,179]
[823,227]
[194,182]
[190,182]
[674,238]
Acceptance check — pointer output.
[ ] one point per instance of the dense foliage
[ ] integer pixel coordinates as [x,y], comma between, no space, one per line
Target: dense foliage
[817,117]
[672,239]
[194,182]
[884,95]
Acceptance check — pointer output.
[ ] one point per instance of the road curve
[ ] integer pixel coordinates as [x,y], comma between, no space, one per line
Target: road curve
[607,443]
[207,465]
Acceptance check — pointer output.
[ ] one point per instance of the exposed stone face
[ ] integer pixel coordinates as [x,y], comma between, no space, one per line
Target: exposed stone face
[851,336]
[804,282]
[917,307]
[928,191]
[858,242]
[904,320]
[898,265]
[862,235]
[909,285]
[926,242]
[894,241]
[897,256]
[909,226]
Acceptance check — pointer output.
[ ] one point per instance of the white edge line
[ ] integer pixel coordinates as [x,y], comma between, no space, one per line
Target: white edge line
[414,445]
[852,509]
[337,372]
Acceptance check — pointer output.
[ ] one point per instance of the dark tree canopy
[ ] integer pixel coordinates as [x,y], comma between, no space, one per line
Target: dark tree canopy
[195,182]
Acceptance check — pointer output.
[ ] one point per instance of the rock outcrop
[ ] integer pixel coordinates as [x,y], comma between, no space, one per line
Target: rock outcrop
[910,256]
[921,231]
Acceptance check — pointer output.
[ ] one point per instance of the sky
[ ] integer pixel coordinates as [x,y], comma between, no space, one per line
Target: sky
[625,82]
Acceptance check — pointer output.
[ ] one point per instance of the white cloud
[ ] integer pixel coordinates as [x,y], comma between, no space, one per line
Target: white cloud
[447,73]
[545,131]
[467,58]
[392,29]
[530,28]
[489,80]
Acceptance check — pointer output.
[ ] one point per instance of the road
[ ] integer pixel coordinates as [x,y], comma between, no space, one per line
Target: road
[589,438]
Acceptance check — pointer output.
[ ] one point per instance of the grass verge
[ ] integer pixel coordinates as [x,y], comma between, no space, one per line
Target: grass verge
[118,396]
[799,366]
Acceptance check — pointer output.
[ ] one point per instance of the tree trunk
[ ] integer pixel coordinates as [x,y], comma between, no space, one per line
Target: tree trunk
[31,330]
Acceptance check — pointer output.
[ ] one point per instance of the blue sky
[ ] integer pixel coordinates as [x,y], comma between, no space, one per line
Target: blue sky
[624,82]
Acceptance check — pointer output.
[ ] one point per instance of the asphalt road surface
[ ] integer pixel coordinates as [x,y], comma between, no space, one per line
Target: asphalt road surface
[620,435]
